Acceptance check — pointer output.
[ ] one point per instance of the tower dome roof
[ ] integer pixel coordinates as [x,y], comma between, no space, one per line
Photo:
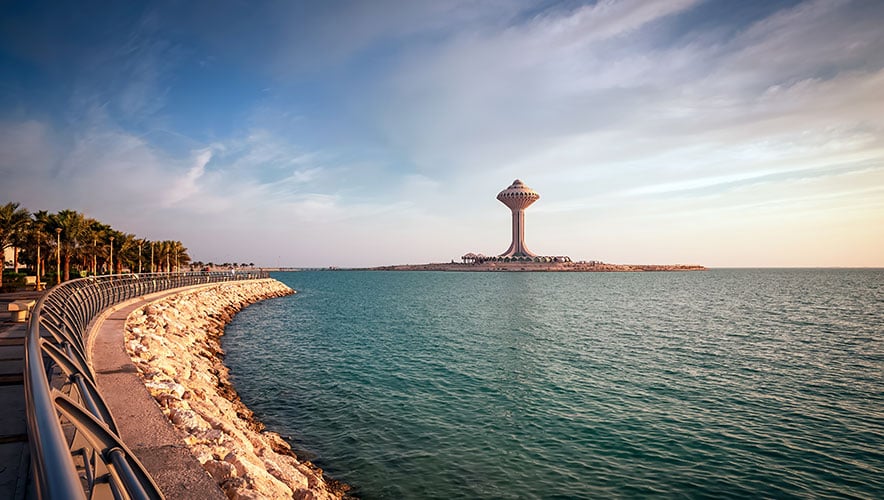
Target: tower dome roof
[518,195]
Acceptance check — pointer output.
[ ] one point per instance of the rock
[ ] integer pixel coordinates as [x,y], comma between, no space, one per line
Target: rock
[172,388]
[277,443]
[175,344]
[287,474]
[257,475]
[188,419]
[220,471]
[202,452]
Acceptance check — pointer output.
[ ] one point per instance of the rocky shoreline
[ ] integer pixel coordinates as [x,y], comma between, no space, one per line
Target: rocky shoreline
[175,343]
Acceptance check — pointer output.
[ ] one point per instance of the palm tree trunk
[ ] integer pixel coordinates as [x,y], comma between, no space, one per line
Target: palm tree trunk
[15,259]
[67,266]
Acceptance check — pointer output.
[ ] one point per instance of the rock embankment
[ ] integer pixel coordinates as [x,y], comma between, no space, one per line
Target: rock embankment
[176,345]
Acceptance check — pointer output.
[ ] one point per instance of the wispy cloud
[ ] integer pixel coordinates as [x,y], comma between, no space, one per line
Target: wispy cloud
[186,186]
[624,114]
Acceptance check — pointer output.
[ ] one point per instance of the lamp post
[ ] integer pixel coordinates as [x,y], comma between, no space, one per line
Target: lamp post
[140,242]
[111,270]
[38,262]
[57,255]
[151,257]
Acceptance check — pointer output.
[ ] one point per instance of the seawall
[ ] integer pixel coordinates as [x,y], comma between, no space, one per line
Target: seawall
[175,344]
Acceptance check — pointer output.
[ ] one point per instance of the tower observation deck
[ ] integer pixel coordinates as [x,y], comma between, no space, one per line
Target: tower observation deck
[518,197]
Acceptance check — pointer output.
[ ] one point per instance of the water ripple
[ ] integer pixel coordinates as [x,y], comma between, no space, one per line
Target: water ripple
[724,384]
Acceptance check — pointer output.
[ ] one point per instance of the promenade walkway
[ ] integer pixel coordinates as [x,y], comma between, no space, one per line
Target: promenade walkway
[143,426]
[15,457]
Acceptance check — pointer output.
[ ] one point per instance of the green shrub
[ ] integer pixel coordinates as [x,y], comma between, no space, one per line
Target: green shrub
[13,279]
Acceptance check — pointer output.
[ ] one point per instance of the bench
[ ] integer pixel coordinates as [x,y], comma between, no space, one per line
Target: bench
[19,309]
[32,281]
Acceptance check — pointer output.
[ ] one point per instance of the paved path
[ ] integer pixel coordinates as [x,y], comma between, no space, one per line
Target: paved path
[143,427]
[14,454]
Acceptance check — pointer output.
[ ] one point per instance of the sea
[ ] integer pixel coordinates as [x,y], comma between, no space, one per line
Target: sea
[728,383]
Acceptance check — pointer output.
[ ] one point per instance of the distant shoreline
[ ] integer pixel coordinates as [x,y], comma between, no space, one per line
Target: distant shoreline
[579,267]
[621,268]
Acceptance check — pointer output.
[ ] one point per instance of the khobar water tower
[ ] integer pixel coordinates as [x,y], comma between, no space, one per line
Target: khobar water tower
[518,197]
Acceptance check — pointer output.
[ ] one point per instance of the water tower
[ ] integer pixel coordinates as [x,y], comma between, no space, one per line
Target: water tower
[518,197]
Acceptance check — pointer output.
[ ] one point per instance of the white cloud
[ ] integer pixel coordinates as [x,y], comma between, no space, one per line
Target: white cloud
[28,148]
[638,144]
[487,102]
[186,186]
[603,20]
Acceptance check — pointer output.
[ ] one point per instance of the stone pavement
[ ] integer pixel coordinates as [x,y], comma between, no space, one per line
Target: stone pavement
[14,454]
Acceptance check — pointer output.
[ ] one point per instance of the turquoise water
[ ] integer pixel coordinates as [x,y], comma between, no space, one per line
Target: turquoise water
[727,383]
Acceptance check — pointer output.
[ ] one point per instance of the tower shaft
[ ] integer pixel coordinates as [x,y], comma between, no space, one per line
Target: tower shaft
[517,198]
[517,247]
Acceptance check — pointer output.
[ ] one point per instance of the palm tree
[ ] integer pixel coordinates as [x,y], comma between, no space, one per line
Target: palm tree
[40,228]
[95,245]
[149,260]
[34,235]
[139,251]
[169,254]
[13,220]
[126,251]
[177,255]
[183,256]
[162,251]
[74,228]
[84,243]
[22,224]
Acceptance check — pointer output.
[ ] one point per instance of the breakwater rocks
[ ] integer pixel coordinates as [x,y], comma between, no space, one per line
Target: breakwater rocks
[175,343]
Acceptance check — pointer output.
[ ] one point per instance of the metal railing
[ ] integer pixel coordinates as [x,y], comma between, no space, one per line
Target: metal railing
[76,451]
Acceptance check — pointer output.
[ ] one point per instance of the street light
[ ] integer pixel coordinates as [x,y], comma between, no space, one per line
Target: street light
[38,262]
[151,256]
[57,255]
[111,271]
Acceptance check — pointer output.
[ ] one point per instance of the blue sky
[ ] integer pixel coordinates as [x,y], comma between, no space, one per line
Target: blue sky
[365,133]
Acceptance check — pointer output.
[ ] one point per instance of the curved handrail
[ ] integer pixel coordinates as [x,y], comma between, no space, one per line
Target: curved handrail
[76,452]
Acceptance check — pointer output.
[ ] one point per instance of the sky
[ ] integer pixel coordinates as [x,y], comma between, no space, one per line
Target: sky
[285,133]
